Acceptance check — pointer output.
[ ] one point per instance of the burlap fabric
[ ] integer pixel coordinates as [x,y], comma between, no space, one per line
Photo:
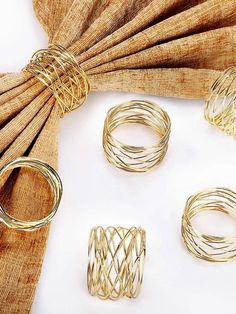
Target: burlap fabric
[169,48]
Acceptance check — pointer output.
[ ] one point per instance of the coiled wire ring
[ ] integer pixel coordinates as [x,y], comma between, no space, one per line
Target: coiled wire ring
[220,107]
[58,69]
[209,247]
[54,181]
[116,260]
[134,158]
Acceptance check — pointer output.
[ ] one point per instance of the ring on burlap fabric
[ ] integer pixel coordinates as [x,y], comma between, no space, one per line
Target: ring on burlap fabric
[58,69]
[211,248]
[116,260]
[56,186]
[136,158]
[220,107]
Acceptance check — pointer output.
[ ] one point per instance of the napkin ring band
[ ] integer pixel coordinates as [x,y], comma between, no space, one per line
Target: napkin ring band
[116,260]
[58,69]
[220,107]
[134,158]
[56,186]
[204,246]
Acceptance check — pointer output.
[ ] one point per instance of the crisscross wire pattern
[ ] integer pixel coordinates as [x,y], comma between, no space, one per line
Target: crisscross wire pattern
[116,260]
[58,69]
[56,186]
[209,247]
[134,158]
[220,107]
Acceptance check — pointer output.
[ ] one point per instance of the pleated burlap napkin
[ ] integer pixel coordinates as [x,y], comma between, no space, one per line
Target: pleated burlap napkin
[169,48]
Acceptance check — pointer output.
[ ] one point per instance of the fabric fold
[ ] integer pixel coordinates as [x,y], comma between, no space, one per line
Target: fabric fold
[171,48]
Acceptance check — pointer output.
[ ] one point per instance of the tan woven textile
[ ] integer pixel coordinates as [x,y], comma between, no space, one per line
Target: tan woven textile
[169,48]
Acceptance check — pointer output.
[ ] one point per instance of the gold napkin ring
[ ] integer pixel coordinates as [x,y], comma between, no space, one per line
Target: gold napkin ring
[54,181]
[116,260]
[58,69]
[209,247]
[134,158]
[220,107]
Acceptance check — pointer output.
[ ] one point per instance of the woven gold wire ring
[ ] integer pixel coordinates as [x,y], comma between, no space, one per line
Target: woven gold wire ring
[220,107]
[56,186]
[209,247]
[134,158]
[116,260]
[58,69]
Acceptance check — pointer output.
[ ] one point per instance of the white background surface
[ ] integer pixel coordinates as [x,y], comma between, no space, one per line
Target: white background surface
[96,193]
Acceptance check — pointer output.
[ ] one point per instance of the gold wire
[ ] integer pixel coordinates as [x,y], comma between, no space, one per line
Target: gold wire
[55,183]
[220,107]
[134,158]
[204,246]
[58,69]
[116,261]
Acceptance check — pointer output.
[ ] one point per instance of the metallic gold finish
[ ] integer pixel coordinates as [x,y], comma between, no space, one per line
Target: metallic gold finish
[54,181]
[116,260]
[134,158]
[209,247]
[58,69]
[220,107]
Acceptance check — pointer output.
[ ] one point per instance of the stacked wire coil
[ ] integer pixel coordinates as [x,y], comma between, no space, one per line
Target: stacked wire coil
[116,260]
[211,248]
[53,179]
[220,107]
[136,158]
[59,70]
